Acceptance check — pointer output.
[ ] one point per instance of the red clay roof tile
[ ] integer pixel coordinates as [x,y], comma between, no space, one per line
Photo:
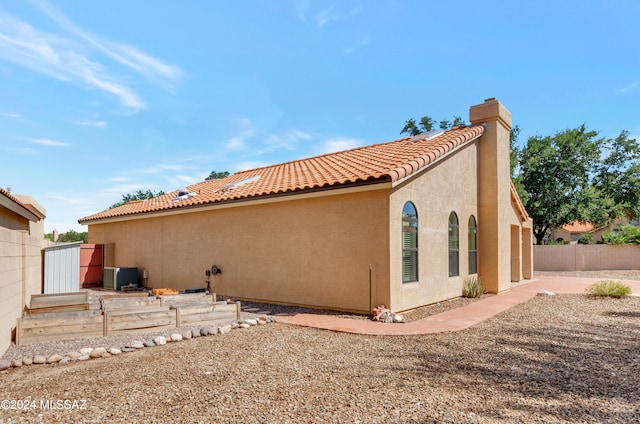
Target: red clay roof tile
[382,162]
[26,206]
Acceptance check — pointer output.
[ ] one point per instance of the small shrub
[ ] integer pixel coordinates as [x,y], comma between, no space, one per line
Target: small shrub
[608,288]
[586,238]
[472,287]
[624,234]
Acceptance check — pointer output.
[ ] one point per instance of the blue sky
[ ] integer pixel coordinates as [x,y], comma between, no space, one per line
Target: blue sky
[101,98]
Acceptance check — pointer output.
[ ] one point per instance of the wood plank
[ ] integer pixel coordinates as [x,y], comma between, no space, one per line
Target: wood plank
[18,331]
[139,302]
[124,295]
[52,323]
[186,298]
[209,317]
[138,321]
[138,330]
[68,315]
[60,308]
[58,299]
[44,337]
[138,310]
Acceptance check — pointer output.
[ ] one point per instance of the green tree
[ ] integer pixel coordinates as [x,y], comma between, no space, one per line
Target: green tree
[72,235]
[556,174]
[217,175]
[137,195]
[618,174]
[427,124]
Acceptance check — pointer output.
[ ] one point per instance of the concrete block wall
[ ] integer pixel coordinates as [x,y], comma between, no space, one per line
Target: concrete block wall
[586,257]
[20,277]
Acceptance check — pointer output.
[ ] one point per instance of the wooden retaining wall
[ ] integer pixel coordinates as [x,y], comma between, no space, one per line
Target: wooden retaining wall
[123,314]
[59,326]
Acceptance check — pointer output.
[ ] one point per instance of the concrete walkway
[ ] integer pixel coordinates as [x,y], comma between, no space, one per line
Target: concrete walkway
[455,319]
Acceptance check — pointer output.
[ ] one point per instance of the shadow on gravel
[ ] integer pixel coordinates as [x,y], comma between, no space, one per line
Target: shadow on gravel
[584,364]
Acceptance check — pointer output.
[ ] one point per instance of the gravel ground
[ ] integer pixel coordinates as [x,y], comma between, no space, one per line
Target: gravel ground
[556,359]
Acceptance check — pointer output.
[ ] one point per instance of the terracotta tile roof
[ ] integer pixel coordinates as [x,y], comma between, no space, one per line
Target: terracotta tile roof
[578,227]
[26,206]
[384,162]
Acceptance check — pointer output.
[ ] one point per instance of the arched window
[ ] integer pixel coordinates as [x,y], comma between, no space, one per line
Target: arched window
[409,243]
[454,246]
[473,245]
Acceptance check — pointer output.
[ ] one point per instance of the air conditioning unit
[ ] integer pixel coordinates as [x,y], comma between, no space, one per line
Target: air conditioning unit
[113,278]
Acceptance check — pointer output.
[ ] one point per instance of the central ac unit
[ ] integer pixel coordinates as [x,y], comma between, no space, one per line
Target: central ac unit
[115,277]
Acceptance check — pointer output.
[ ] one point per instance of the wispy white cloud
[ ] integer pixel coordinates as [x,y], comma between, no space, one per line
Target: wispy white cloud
[118,179]
[325,16]
[127,55]
[99,124]
[243,166]
[74,58]
[288,140]
[11,115]
[629,87]
[340,143]
[70,199]
[49,142]
[302,7]
[23,150]
[166,167]
[51,55]
[362,41]
[235,143]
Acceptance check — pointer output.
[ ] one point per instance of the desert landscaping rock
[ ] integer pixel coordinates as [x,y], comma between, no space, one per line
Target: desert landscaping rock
[83,358]
[39,359]
[546,293]
[97,353]
[4,364]
[160,340]
[114,351]
[16,363]
[149,343]
[54,359]
[27,361]
[74,355]
[65,360]
[195,334]
[214,330]
[175,337]
[251,321]
[137,345]
[86,350]
[186,335]
[204,331]
[244,325]
[128,349]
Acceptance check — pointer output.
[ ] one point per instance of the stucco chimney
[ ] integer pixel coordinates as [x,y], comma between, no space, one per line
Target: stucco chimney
[494,232]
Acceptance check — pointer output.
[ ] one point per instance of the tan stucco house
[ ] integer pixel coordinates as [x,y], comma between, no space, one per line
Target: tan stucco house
[400,223]
[21,243]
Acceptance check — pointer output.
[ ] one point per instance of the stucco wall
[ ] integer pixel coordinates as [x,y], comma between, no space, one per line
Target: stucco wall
[586,257]
[449,186]
[20,277]
[313,251]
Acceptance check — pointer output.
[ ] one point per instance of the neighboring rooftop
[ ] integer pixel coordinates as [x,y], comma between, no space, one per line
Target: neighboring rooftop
[384,162]
[23,205]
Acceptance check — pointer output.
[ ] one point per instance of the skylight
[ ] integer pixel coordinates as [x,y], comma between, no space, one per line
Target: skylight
[429,135]
[183,194]
[241,182]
